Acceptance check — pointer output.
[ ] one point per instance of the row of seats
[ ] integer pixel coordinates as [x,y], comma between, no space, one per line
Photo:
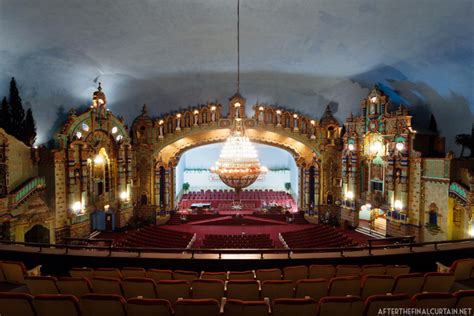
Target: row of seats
[317,236]
[13,304]
[237,241]
[154,236]
[154,287]
[315,271]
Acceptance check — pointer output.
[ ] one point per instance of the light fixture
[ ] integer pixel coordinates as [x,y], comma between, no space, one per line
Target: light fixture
[124,196]
[114,129]
[178,115]
[349,195]
[98,160]
[295,115]
[161,122]
[85,127]
[351,147]
[260,108]
[313,122]
[79,135]
[278,112]
[237,104]
[471,230]
[373,99]
[77,207]
[213,108]
[119,138]
[238,165]
[375,147]
[196,112]
[398,205]
[400,146]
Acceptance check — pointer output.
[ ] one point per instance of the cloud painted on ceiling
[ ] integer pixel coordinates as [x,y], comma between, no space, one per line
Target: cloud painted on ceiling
[300,54]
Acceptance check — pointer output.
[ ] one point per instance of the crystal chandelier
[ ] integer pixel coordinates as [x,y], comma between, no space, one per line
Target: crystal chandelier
[238,165]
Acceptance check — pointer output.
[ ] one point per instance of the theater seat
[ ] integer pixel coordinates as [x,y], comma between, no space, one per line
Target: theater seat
[268,274]
[293,306]
[185,275]
[82,273]
[461,268]
[437,282]
[241,275]
[103,285]
[277,289]
[376,285]
[148,307]
[158,275]
[345,306]
[374,304]
[377,269]
[133,272]
[134,287]
[410,283]
[234,307]
[347,270]
[108,273]
[246,290]
[14,304]
[171,290]
[74,286]
[464,298]
[42,285]
[197,307]
[433,300]
[313,288]
[15,272]
[208,288]
[295,273]
[102,304]
[214,275]
[56,305]
[395,270]
[342,286]
[325,271]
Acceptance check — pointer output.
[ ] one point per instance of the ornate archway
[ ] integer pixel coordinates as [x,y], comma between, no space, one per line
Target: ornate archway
[168,138]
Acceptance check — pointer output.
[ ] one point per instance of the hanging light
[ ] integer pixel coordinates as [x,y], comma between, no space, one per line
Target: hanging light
[238,165]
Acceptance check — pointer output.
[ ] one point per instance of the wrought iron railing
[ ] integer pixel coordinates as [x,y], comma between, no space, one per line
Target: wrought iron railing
[25,191]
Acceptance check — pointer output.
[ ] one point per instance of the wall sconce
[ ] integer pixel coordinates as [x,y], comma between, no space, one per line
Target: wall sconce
[351,147]
[373,99]
[77,207]
[213,108]
[398,205]
[196,112]
[376,147]
[124,196]
[260,108]
[99,160]
[400,146]
[349,195]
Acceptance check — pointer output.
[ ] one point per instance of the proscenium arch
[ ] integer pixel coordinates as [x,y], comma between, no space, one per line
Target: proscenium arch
[170,152]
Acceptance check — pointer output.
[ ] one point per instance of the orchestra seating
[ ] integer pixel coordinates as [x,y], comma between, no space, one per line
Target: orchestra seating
[250,199]
[315,290]
[154,236]
[318,236]
[242,241]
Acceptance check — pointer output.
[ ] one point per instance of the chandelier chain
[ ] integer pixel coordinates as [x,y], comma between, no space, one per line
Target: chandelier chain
[238,46]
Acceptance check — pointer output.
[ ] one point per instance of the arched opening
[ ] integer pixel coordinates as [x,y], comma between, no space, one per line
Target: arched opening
[192,175]
[38,234]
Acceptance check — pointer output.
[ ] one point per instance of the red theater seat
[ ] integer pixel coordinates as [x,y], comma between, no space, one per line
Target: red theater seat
[197,307]
[56,305]
[148,307]
[376,303]
[235,307]
[102,304]
[293,306]
[13,304]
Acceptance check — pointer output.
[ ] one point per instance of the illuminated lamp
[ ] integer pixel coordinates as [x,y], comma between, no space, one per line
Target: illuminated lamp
[124,196]
[398,205]
[99,160]
[351,147]
[400,146]
[349,195]
[77,207]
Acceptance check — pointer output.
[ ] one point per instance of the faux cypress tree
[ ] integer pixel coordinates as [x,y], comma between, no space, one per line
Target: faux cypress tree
[17,113]
[5,116]
[29,129]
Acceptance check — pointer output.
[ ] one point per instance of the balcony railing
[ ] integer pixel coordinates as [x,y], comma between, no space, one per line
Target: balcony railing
[26,190]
